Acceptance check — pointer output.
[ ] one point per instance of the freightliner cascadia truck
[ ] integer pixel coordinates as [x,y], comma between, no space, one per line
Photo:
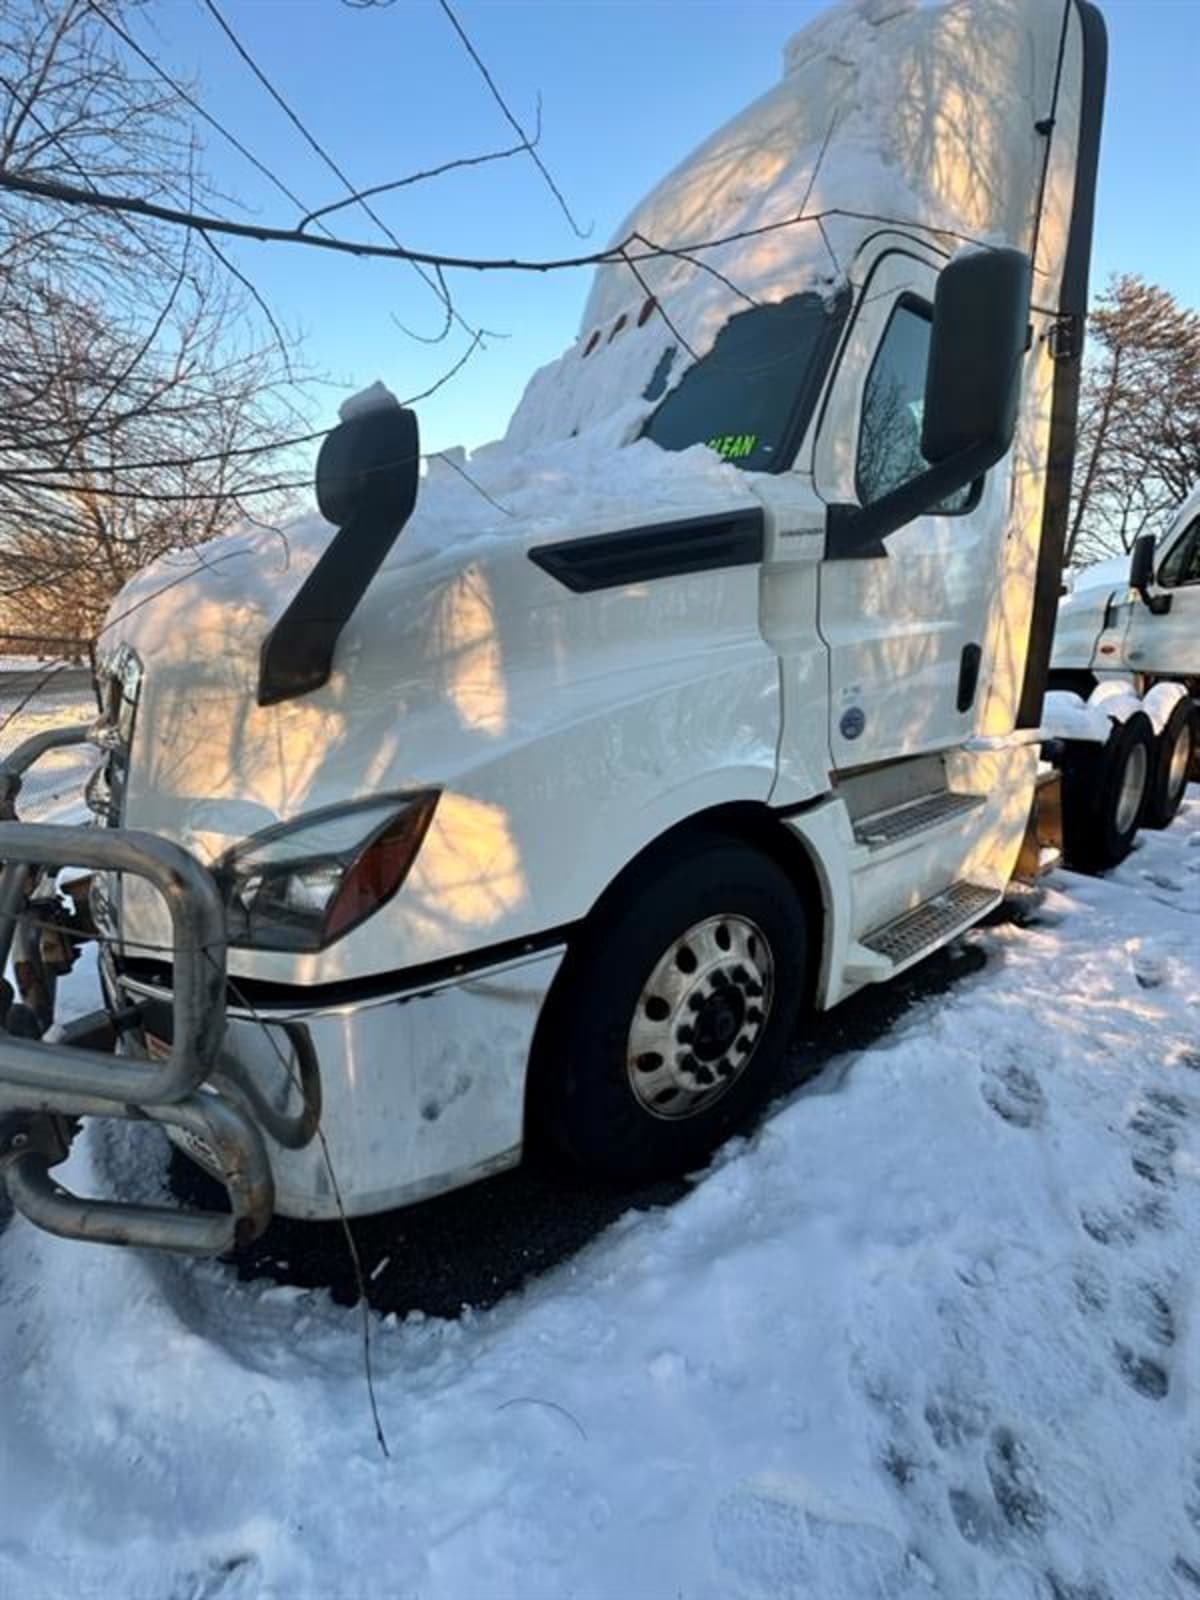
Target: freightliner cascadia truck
[541,806]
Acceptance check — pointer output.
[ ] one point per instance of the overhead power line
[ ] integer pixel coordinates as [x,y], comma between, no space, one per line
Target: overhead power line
[190,101]
[580,233]
[436,282]
[260,166]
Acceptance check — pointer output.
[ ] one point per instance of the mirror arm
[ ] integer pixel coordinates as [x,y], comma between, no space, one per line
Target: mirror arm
[296,657]
[856,533]
[1156,604]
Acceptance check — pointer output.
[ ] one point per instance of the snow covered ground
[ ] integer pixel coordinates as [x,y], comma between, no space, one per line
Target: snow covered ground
[928,1333]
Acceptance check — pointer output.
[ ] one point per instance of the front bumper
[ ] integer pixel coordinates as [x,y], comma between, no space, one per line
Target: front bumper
[374,1103]
[313,1110]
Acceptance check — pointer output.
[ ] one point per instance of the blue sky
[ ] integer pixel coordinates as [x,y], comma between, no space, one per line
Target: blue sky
[628,87]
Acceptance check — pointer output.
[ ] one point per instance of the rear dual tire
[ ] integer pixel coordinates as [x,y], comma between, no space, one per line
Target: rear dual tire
[1105,793]
[1174,755]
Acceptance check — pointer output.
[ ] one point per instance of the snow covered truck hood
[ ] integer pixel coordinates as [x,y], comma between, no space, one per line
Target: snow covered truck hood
[910,119]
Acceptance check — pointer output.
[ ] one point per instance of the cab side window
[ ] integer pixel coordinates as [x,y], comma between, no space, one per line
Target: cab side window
[889,442]
[1182,564]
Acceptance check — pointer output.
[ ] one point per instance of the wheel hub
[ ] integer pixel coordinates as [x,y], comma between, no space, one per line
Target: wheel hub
[718,1022]
[700,1016]
[1133,789]
[1181,760]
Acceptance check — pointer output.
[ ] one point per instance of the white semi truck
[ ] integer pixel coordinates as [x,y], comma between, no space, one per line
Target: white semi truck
[1128,642]
[453,819]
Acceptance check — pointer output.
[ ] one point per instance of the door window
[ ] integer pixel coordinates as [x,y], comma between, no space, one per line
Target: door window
[1182,563]
[889,441]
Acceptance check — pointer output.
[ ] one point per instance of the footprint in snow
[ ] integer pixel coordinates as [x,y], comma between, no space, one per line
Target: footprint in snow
[1145,1309]
[1154,1126]
[1150,970]
[1085,1589]
[900,1464]
[1013,1477]
[1153,1307]
[1160,880]
[772,1543]
[1092,1292]
[1124,1226]
[233,1578]
[954,1420]
[1014,1506]
[1143,1374]
[1014,1095]
[1148,1306]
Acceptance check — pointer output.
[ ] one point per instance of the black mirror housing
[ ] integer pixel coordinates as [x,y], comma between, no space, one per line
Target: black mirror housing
[980,335]
[972,395]
[1141,574]
[369,465]
[1141,563]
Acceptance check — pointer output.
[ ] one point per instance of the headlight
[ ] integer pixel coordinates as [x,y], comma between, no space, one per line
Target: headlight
[301,885]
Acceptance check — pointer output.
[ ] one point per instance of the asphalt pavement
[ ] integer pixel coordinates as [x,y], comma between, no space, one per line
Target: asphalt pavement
[39,676]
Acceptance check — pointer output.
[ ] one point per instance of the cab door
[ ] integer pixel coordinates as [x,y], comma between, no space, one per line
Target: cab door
[1168,645]
[905,630]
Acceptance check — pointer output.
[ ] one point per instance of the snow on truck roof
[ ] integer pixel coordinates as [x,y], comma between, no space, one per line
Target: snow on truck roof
[923,115]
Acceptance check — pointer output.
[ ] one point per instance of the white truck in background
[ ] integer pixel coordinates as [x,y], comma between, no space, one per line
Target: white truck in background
[723,700]
[1127,654]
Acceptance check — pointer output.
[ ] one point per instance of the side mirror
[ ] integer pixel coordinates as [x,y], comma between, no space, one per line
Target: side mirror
[972,393]
[368,474]
[1141,575]
[980,335]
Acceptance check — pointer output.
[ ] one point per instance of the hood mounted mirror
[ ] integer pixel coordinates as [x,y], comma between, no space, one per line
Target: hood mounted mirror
[367,476]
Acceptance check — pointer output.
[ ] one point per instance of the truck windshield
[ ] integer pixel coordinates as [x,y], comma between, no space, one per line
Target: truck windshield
[750,397]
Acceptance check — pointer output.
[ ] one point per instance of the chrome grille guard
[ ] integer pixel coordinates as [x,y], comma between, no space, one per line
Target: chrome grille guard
[50,1077]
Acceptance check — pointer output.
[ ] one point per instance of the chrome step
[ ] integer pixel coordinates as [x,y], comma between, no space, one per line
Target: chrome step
[932,923]
[901,822]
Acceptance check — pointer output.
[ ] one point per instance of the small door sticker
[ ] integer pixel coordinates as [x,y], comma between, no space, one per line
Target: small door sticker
[853,722]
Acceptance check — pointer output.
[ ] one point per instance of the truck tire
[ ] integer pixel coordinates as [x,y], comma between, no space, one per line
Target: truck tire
[672,1011]
[1174,752]
[1104,794]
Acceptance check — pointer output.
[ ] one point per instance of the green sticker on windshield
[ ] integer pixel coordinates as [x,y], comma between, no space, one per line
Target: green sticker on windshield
[734,446]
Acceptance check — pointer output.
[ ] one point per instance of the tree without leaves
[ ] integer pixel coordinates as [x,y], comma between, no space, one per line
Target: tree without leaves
[116,342]
[69,549]
[1139,439]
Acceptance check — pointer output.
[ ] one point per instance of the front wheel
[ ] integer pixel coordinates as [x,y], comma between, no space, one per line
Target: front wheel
[1104,794]
[672,1012]
[1174,751]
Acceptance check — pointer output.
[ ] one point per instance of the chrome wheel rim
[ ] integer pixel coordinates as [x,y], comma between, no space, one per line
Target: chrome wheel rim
[1133,789]
[1181,760]
[700,1017]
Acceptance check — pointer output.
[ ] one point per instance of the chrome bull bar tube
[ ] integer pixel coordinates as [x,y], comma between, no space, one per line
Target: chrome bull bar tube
[197,955]
[230,1135]
[51,1078]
